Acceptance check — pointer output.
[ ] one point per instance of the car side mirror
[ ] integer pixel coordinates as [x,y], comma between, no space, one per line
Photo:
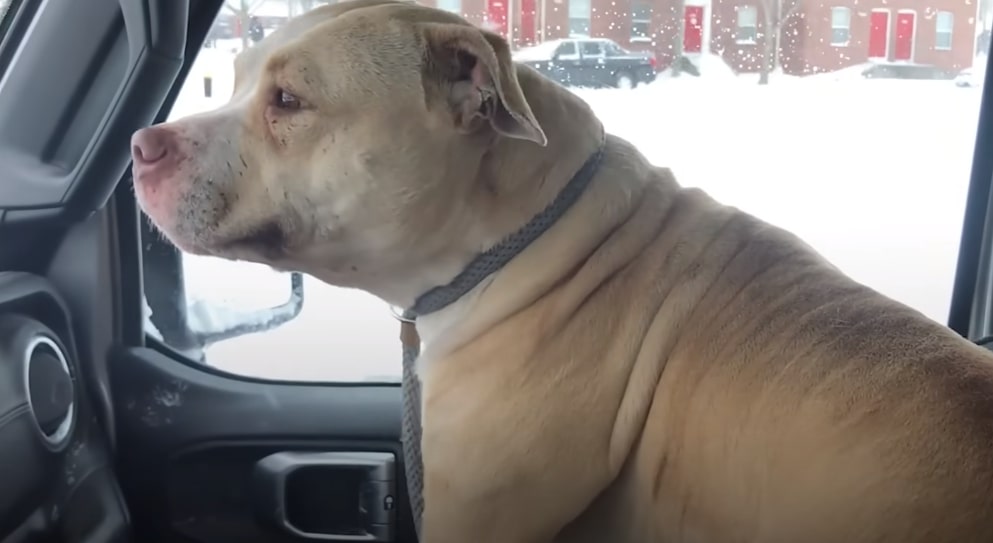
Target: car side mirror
[191,327]
[209,323]
[191,324]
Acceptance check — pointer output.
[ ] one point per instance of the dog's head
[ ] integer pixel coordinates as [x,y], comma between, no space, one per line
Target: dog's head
[348,149]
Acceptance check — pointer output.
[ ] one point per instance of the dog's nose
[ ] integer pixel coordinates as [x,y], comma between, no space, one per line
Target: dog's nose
[154,155]
[150,145]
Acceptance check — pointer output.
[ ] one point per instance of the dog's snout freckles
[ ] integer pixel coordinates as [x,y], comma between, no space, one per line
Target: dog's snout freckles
[160,156]
[193,180]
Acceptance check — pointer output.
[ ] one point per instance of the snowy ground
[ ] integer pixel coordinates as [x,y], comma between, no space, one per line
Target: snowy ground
[872,173]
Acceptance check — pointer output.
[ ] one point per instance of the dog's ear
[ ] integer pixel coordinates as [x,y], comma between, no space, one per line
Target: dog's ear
[473,67]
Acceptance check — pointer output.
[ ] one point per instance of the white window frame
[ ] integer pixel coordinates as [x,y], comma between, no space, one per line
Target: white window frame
[576,14]
[754,11]
[847,26]
[938,31]
[639,17]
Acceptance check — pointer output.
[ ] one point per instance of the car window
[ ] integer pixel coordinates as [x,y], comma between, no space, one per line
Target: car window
[567,49]
[591,49]
[862,147]
[613,50]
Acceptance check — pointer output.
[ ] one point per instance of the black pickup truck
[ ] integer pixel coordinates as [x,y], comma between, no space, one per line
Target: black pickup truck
[589,62]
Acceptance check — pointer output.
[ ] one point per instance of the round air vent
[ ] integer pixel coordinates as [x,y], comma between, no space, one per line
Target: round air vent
[50,389]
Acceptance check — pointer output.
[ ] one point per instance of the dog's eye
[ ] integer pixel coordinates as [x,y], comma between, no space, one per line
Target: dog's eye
[286,100]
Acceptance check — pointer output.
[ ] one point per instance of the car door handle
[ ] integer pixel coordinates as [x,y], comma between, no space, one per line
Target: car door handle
[356,490]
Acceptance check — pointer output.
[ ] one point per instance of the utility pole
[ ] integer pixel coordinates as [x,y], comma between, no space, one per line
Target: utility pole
[510,23]
[542,35]
[677,49]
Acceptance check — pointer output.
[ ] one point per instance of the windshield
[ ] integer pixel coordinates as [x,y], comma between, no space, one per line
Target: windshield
[856,135]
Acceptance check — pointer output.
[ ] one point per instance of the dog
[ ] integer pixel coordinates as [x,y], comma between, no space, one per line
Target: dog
[653,367]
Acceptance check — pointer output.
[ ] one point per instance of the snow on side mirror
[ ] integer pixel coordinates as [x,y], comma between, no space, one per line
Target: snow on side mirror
[210,323]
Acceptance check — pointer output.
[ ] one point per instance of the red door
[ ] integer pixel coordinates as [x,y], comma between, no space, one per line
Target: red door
[496,16]
[528,12]
[904,48]
[879,33]
[693,29]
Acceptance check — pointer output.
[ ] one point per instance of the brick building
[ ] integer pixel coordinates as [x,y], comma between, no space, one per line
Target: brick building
[815,35]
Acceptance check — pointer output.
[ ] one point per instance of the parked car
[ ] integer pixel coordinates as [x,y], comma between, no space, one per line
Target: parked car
[589,62]
[971,77]
[906,70]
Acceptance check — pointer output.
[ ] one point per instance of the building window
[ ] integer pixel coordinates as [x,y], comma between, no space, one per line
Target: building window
[841,25]
[641,21]
[747,30]
[579,18]
[943,30]
[454,6]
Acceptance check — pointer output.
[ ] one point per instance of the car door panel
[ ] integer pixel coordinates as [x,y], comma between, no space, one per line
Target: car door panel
[112,66]
[194,437]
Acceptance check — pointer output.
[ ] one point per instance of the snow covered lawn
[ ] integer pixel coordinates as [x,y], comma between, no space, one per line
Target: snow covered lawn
[871,173]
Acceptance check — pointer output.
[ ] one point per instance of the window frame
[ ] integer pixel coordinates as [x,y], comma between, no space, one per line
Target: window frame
[641,14]
[754,26]
[938,32]
[847,26]
[586,17]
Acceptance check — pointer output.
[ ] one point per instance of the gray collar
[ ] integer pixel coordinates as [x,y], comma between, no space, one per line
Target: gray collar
[496,257]
[437,298]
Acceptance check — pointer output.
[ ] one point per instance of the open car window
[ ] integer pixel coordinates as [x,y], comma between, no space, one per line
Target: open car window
[857,136]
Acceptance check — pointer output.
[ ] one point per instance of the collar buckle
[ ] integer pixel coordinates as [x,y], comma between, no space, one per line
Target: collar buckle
[402,315]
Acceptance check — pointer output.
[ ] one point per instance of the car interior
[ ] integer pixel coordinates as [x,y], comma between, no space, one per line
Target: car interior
[109,435]
[105,434]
